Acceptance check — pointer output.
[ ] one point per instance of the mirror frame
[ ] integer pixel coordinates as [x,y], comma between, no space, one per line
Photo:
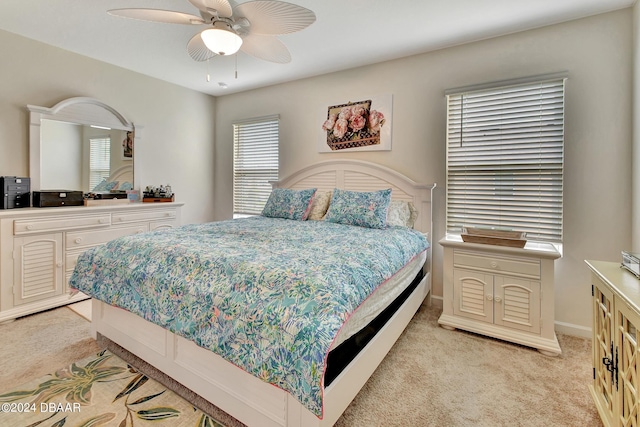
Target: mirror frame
[80,110]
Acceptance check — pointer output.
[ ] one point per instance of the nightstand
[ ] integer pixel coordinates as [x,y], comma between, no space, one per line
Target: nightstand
[502,292]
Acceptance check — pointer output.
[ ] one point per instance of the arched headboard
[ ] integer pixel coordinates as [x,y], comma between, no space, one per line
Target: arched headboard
[359,175]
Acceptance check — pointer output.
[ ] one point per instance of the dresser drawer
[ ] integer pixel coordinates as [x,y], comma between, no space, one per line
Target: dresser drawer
[125,217]
[30,226]
[496,264]
[81,239]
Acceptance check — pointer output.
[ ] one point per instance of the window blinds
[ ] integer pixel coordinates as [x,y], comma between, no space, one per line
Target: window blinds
[255,163]
[505,158]
[99,160]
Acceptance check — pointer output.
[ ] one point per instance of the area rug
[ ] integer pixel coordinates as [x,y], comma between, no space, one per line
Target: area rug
[97,391]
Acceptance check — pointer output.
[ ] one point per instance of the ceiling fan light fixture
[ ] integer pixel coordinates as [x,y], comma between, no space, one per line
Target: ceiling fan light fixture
[221,39]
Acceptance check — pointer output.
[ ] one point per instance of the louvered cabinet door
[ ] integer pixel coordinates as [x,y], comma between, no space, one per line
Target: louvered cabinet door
[627,322]
[473,295]
[517,303]
[38,268]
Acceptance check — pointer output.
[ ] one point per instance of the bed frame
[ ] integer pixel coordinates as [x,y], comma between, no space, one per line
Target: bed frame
[242,395]
[123,173]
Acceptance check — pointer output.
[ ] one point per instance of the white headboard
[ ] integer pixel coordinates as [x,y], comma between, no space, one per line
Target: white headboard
[358,175]
[122,174]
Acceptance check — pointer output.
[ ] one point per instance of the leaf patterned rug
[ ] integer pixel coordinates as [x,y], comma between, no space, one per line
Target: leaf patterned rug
[101,390]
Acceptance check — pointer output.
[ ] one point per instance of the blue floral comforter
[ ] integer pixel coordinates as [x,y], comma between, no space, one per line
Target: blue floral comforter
[267,294]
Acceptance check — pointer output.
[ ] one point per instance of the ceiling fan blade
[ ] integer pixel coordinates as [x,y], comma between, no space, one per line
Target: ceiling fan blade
[265,47]
[221,6]
[275,17]
[157,15]
[197,49]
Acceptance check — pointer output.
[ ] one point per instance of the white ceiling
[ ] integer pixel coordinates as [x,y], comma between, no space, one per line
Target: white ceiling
[346,34]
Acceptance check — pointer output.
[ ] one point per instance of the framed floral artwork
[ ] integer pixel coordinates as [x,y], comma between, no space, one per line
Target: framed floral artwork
[363,125]
[127,146]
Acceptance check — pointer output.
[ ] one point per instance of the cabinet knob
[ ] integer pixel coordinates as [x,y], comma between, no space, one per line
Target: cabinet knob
[59,264]
[498,299]
[489,297]
[78,240]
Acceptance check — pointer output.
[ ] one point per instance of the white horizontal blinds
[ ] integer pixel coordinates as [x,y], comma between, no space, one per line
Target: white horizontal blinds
[99,160]
[255,163]
[505,158]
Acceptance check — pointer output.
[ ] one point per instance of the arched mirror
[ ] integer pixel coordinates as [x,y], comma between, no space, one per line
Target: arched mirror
[81,144]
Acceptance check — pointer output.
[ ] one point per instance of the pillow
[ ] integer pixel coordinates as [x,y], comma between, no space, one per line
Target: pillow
[402,214]
[289,204]
[125,186]
[105,185]
[364,209]
[319,205]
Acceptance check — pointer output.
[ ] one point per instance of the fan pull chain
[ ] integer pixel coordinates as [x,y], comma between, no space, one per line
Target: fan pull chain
[236,73]
[208,73]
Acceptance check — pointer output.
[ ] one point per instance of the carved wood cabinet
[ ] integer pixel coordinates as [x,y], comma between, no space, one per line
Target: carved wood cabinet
[39,248]
[616,319]
[502,292]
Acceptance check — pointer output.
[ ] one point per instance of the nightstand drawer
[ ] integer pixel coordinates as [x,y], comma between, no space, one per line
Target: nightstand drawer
[529,268]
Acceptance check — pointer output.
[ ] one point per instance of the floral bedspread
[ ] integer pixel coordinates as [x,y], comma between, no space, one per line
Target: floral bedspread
[269,295]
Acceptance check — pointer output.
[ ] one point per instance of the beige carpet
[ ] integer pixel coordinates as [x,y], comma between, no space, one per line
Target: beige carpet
[33,346]
[431,377]
[99,390]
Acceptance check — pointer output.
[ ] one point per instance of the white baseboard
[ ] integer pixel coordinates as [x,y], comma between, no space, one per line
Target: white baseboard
[562,327]
[574,330]
[437,301]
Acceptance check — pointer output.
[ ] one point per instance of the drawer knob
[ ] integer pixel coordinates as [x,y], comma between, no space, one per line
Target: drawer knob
[167,214]
[103,220]
[494,264]
[140,231]
[78,240]
[29,227]
[119,218]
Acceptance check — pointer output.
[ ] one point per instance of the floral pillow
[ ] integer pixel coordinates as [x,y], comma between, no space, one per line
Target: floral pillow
[105,185]
[364,209]
[402,214]
[319,205]
[289,204]
[125,186]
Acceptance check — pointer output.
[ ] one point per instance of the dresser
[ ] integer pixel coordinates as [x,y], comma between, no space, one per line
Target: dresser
[502,292]
[39,248]
[616,367]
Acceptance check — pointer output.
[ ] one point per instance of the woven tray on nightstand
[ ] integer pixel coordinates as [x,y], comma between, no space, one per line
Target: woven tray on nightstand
[515,239]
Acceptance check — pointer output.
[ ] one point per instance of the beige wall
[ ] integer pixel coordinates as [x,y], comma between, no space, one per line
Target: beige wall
[596,54]
[178,124]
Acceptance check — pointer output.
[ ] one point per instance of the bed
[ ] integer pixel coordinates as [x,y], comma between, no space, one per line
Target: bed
[121,179]
[227,384]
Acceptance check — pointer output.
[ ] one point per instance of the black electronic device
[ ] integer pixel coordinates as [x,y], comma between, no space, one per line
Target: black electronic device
[57,198]
[16,192]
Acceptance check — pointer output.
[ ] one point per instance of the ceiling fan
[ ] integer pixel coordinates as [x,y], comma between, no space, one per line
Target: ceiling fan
[251,27]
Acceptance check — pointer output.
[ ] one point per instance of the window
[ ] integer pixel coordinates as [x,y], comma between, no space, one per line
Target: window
[99,160]
[255,163]
[505,151]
